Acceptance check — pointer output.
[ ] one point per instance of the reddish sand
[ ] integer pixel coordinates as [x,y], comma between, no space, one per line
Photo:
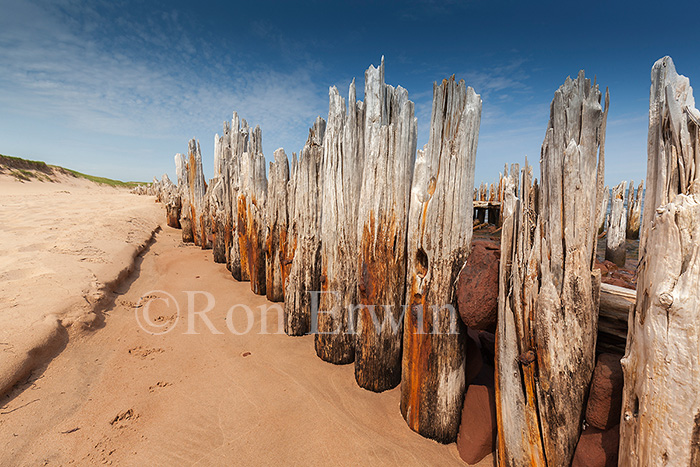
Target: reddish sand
[120,395]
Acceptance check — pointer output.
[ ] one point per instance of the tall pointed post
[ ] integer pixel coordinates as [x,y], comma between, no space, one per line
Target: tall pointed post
[549,292]
[660,422]
[439,240]
[390,148]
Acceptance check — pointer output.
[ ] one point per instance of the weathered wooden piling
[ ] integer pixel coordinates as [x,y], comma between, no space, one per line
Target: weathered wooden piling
[390,146]
[277,220]
[439,239]
[603,211]
[616,246]
[184,191]
[343,156]
[304,275]
[548,304]
[660,422]
[250,208]
[197,187]
[634,211]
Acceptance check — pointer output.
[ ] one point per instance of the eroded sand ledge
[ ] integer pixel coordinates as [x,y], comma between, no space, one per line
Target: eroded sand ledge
[64,246]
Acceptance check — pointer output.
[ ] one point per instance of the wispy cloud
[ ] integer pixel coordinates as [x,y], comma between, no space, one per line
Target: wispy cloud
[150,80]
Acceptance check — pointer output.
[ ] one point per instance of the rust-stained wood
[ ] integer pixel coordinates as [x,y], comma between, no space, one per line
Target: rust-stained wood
[439,238]
[549,293]
[197,187]
[276,218]
[250,209]
[390,148]
[304,275]
[660,420]
[343,156]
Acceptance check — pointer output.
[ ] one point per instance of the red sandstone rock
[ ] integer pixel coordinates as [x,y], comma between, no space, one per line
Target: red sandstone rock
[477,286]
[477,432]
[605,397]
[597,448]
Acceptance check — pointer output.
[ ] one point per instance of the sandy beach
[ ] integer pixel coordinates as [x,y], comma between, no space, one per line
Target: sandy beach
[63,246]
[116,394]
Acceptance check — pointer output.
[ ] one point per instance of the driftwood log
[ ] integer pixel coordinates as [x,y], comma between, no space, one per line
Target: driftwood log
[616,246]
[390,149]
[304,275]
[343,156]
[439,239]
[660,422]
[634,211]
[183,186]
[549,293]
[277,219]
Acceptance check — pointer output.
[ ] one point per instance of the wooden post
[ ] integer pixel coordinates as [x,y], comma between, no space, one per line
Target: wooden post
[343,157]
[183,186]
[548,303]
[197,189]
[217,206]
[171,199]
[304,275]
[276,210]
[660,422]
[615,249]
[251,212]
[603,212]
[634,212]
[390,149]
[439,239]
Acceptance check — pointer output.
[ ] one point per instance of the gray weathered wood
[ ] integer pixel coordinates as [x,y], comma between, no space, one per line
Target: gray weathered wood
[616,246]
[277,220]
[390,149]
[603,212]
[549,293]
[439,240]
[304,275]
[250,210]
[184,190]
[343,157]
[660,422]
[634,211]
[196,197]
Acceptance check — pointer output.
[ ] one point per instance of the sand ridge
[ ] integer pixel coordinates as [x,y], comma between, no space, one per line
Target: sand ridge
[63,246]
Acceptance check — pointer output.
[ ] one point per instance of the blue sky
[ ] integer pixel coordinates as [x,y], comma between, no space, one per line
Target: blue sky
[116,88]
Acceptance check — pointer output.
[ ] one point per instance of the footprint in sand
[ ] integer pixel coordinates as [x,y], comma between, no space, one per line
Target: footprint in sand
[123,418]
[158,385]
[144,352]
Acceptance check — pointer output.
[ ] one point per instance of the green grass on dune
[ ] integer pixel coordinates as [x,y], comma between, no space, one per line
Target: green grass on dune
[25,170]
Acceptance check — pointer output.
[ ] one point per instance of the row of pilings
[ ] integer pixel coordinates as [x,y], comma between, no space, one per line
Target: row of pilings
[363,237]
